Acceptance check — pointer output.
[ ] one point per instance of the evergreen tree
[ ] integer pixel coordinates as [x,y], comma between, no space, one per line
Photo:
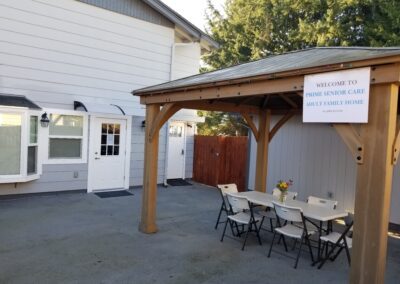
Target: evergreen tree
[253,29]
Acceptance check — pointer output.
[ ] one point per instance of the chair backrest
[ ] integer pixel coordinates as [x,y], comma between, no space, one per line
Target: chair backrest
[322,202]
[227,188]
[237,203]
[288,213]
[349,221]
[290,194]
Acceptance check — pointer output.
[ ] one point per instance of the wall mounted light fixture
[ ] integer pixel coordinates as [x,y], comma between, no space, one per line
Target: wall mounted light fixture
[44,121]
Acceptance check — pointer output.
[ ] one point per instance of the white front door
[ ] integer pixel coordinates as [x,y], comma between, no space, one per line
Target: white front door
[108,155]
[176,150]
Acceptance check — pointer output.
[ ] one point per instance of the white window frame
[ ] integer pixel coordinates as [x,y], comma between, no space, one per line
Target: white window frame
[29,144]
[46,139]
[25,130]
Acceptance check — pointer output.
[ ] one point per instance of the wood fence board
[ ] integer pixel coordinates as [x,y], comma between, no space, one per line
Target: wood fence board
[219,160]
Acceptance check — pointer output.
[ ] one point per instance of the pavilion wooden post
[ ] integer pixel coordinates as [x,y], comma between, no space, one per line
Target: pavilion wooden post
[262,150]
[374,184]
[149,199]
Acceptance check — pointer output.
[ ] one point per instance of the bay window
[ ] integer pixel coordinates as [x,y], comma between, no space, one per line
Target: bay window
[18,145]
[10,143]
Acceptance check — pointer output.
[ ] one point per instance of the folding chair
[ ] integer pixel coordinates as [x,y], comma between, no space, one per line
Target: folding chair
[270,214]
[223,189]
[242,215]
[292,216]
[338,241]
[327,203]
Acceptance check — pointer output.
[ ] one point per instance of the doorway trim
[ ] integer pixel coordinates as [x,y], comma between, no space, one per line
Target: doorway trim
[91,145]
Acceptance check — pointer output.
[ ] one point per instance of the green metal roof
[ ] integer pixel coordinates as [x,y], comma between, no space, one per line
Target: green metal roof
[296,60]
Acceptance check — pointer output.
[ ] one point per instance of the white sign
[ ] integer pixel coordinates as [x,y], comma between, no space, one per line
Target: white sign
[340,96]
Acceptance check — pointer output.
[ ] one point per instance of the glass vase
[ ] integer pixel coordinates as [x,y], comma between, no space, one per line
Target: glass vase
[282,197]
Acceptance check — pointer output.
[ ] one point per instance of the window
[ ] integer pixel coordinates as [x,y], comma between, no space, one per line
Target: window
[65,136]
[18,145]
[175,131]
[33,145]
[10,143]
[110,134]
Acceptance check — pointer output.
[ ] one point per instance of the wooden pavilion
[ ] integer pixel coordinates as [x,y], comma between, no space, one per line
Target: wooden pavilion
[274,86]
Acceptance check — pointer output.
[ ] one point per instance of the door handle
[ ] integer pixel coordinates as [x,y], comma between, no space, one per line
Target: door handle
[183,152]
[97,158]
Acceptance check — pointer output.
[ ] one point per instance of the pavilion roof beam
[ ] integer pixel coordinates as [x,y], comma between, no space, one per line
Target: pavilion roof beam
[166,112]
[265,101]
[289,101]
[215,105]
[352,140]
[250,122]
[388,73]
[280,123]
[245,100]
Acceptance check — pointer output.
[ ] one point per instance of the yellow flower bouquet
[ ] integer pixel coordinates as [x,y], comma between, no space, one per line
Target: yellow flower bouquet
[283,186]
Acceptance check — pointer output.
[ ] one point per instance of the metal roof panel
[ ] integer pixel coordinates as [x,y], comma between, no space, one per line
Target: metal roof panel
[290,61]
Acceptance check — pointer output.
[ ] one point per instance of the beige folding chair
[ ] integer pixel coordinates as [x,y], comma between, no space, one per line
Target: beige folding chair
[270,214]
[242,215]
[327,203]
[224,189]
[291,216]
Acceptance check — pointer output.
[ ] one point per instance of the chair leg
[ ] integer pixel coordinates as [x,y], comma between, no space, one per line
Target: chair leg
[271,225]
[298,254]
[223,233]
[230,225]
[310,248]
[247,233]
[258,234]
[337,254]
[219,216]
[261,223]
[348,255]
[272,243]
[284,243]
[328,256]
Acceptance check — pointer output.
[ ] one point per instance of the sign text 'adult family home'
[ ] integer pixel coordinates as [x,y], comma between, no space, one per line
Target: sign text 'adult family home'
[340,96]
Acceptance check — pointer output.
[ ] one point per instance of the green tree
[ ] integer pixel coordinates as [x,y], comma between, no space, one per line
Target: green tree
[219,123]
[252,29]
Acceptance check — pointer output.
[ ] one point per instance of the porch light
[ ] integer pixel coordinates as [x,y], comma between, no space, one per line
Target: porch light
[143,123]
[44,121]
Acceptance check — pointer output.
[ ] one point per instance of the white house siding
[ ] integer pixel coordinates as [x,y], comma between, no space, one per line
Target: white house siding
[137,153]
[315,157]
[186,63]
[57,51]
[53,178]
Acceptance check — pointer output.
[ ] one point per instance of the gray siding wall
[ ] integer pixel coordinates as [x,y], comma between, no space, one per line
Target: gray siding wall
[318,161]
[133,8]
[54,178]
[137,153]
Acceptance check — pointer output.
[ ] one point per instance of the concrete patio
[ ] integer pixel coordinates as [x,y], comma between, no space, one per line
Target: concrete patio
[81,238]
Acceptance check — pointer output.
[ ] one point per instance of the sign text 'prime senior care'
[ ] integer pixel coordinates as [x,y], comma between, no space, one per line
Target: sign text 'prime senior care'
[340,96]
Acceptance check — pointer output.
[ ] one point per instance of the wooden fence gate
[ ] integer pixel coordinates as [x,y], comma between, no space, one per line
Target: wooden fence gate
[220,159]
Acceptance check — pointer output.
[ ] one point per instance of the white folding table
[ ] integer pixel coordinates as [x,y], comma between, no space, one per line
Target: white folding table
[310,211]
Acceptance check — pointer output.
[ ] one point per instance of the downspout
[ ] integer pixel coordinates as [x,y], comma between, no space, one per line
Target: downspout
[167,128]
